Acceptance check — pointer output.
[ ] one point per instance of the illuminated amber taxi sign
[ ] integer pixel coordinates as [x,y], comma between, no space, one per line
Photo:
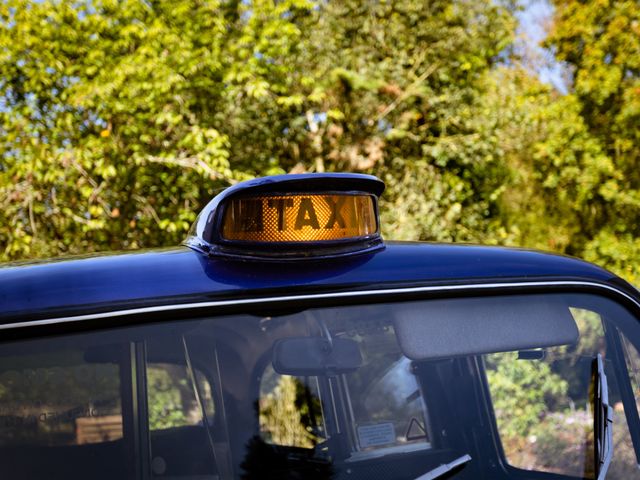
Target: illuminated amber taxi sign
[292,217]
[299,218]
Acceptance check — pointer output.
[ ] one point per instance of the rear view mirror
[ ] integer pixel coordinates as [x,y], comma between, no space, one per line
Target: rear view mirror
[302,356]
[474,326]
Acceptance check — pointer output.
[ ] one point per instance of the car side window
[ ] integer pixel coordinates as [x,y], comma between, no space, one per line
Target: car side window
[60,399]
[61,405]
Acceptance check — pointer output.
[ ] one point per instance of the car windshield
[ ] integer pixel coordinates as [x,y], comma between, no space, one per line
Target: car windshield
[466,387]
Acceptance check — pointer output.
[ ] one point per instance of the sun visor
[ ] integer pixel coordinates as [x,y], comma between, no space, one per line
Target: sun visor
[474,326]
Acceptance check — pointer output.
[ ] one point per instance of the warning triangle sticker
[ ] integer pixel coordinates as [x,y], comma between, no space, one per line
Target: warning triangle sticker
[416,430]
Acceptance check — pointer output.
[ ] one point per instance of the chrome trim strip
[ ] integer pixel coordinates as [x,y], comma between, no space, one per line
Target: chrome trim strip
[315,296]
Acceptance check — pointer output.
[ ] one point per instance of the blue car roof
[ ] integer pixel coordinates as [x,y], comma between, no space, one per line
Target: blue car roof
[155,277]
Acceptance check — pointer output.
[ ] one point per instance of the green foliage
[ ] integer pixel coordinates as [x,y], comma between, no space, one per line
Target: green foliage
[557,168]
[401,101]
[167,407]
[114,115]
[285,415]
[618,251]
[520,391]
[600,41]
[120,120]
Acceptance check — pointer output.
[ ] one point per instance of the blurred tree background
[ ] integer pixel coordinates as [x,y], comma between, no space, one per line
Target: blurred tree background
[120,119]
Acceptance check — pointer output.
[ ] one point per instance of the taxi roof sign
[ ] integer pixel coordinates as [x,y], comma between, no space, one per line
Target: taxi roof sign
[292,216]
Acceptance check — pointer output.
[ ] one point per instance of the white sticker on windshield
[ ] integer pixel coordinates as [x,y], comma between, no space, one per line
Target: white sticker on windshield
[376,435]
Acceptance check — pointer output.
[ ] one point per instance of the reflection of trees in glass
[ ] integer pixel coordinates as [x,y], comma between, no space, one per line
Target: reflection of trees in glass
[165,396]
[290,414]
[42,395]
[38,378]
[172,401]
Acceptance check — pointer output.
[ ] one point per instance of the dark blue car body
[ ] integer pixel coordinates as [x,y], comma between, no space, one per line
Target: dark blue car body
[142,279]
